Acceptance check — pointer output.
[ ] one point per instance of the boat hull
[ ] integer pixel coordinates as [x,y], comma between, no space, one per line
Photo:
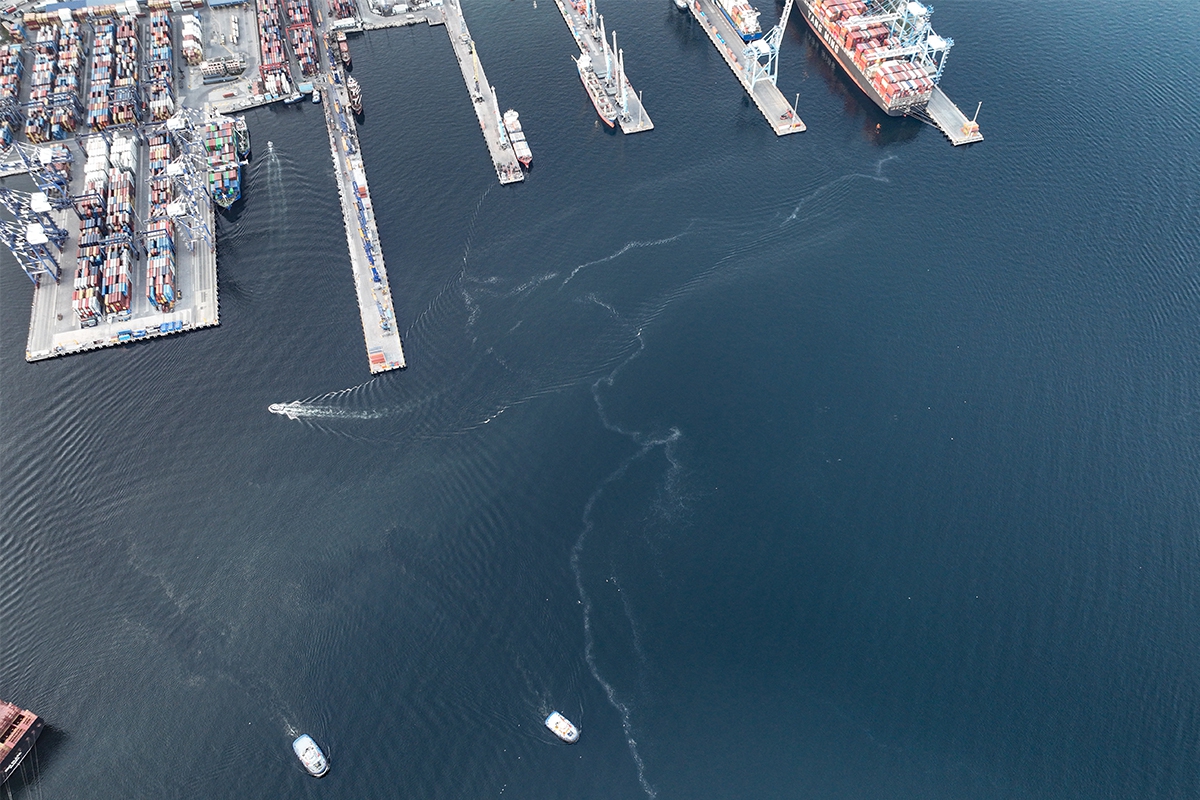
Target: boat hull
[844,59]
[746,37]
[20,749]
[608,117]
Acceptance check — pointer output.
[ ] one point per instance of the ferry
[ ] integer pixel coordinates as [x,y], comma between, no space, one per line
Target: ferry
[310,755]
[561,727]
[591,82]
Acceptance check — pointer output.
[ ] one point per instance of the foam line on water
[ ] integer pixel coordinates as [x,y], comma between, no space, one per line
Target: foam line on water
[878,177]
[625,249]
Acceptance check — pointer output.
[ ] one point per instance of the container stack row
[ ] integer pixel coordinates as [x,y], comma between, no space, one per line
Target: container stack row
[41,83]
[118,256]
[300,31]
[192,39]
[68,80]
[893,75]
[11,68]
[219,70]
[89,263]
[342,9]
[41,19]
[160,241]
[104,41]
[159,69]
[126,66]
[273,63]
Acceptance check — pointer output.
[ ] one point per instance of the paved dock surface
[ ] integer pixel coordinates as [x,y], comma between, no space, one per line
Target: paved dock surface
[487,108]
[384,350]
[635,119]
[778,112]
[53,327]
[950,120]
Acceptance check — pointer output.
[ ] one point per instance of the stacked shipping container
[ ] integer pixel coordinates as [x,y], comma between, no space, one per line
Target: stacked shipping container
[192,39]
[67,81]
[89,263]
[159,69]
[894,77]
[273,64]
[124,107]
[300,31]
[100,86]
[118,255]
[160,244]
[342,9]
[41,83]
[11,68]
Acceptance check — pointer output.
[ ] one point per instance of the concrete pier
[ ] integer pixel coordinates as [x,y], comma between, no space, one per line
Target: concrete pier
[483,98]
[778,112]
[949,119]
[590,41]
[384,350]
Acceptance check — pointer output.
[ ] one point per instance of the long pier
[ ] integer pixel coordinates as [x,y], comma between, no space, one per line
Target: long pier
[591,39]
[384,350]
[483,96]
[778,112]
[943,114]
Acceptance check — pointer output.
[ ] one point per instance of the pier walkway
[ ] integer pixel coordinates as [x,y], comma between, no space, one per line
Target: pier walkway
[778,112]
[483,97]
[384,350]
[635,119]
[949,119]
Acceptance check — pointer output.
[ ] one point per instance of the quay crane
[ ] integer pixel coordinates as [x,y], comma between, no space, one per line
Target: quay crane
[31,233]
[767,47]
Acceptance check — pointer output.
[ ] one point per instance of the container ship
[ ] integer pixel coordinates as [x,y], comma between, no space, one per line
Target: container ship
[512,124]
[224,168]
[887,47]
[591,82]
[743,17]
[19,729]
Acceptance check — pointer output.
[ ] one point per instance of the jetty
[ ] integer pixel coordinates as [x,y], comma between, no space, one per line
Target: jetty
[943,114]
[745,62]
[587,28]
[483,96]
[384,350]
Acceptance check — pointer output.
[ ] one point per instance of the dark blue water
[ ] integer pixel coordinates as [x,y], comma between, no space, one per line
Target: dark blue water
[845,465]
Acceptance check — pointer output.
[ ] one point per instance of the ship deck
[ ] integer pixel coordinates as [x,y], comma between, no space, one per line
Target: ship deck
[775,108]
[635,119]
[384,349]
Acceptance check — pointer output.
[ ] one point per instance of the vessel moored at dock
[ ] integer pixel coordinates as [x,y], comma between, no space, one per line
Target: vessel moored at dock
[516,137]
[354,94]
[591,82]
[743,17]
[19,730]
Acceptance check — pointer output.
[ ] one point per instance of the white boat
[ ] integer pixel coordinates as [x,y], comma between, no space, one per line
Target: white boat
[681,5]
[310,755]
[317,96]
[562,727]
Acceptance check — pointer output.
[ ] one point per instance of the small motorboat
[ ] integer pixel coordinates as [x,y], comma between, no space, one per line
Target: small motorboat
[310,755]
[681,5]
[561,727]
[316,96]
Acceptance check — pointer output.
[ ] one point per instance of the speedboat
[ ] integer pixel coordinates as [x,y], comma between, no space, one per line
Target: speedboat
[310,755]
[561,727]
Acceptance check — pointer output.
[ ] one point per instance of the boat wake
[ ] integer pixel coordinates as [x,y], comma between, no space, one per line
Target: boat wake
[878,177]
[625,249]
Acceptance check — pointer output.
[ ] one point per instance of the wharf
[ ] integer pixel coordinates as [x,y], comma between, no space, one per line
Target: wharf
[483,96]
[943,114]
[635,119]
[53,327]
[384,350]
[778,112]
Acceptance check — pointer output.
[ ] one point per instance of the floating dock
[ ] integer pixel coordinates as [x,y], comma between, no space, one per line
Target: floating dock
[384,350]
[483,96]
[778,112]
[592,39]
[949,119]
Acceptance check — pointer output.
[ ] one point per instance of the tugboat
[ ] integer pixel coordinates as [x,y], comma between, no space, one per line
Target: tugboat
[355,94]
[241,133]
[604,106]
[512,124]
[310,755]
[19,729]
[316,97]
[562,727]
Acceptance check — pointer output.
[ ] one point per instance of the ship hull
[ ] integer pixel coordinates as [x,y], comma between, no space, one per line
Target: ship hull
[13,758]
[844,59]
[608,119]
